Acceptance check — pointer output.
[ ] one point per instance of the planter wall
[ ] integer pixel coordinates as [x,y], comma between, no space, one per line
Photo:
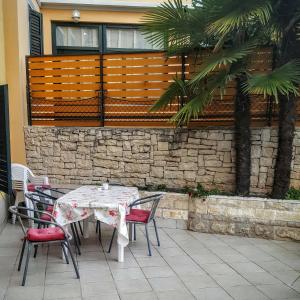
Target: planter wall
[176,158]
[251,217]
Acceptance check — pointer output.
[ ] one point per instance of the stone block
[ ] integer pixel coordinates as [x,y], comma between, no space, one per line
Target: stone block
[163,146]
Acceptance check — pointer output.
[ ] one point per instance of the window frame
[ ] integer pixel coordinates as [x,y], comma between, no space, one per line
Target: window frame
[102,27]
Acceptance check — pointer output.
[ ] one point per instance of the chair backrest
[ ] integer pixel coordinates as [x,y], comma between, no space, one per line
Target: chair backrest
[153,199]
[23,213]
[20,176]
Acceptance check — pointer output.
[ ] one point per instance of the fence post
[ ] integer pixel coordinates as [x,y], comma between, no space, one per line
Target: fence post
[182,76]
[102,93]
[28,94]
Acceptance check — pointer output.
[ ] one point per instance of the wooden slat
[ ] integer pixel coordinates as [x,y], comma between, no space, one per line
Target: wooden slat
[50,58]
[65,79]
[139,85]
[68,94]
[64,87]
[138,93]
[64,109]
[69,72]
[125,78]
[67,123]
[64,64]
[142,62]
[143,70]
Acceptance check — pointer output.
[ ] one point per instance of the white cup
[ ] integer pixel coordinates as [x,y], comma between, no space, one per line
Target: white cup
[105,186]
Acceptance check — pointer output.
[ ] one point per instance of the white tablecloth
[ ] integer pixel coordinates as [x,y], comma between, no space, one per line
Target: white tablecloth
[108,206]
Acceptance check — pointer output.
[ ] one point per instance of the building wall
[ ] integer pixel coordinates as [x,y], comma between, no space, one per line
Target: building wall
[16,47]
[174,157]
[92,16]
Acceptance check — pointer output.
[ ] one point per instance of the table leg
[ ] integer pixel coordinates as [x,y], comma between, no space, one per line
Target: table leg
[120,253]
[86,228]
[130,231]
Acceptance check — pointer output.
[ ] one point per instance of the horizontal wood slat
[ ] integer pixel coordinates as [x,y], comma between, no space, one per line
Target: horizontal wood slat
[66,90]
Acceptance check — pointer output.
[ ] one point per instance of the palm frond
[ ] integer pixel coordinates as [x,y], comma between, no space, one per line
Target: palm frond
[236,14]
[222,59]
[283,80]
[193,108]
[173,92]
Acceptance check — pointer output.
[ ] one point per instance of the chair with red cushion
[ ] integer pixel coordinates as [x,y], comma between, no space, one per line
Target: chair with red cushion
[51,233]
[44,202]
[142,216]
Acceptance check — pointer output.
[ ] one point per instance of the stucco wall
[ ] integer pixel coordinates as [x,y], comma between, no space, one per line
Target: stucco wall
[174,157]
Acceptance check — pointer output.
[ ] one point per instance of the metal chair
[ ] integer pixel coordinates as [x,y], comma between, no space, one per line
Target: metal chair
[46,207]
[54,233]
[142,216]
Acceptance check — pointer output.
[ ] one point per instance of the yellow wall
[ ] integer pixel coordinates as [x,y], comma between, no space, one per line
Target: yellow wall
[49,15]
[2,49]
[16,46]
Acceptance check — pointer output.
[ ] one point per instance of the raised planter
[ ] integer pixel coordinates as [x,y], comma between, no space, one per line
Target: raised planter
[242,216]
[246,216]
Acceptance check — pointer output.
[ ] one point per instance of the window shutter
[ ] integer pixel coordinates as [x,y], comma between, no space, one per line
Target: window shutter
[36,32]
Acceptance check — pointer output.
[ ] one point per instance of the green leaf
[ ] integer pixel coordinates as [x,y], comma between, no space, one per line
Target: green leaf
[173,92]
[223,58]
[236,14]
[283,80]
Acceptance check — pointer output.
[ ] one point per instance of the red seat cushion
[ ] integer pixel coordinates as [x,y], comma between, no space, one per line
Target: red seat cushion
[136,211]
[45,234]
[49,209]
[31,186]
[46,217]
[138,215]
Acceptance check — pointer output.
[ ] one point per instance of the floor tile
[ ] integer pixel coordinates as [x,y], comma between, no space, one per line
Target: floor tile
[246,267]
[218,269]
[59,291]
[230,280]
[214,293]
[25,293]
[175,295]
[194,283]
[130,273]
[132,286]
[246,293]
[166,284]
[152,272]
[278,291]
[258,278]
[139,296]
[97,288]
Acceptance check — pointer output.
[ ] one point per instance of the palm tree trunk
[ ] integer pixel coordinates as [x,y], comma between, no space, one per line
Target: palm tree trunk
[242,139]
[290,49]
[287,119]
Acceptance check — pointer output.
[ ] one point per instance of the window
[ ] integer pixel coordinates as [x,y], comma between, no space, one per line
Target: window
[94,38]
[77,37]
[127,38]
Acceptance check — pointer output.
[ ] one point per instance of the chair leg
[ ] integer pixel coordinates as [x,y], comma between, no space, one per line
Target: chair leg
[26,264]
[148,241]
[97,226]
[111,241]
[156,232]
[77,234]
[35,250]
[67,244]
[134,232]
[65,253]
[22,254]
[80,228]
[99,232]
[75,240]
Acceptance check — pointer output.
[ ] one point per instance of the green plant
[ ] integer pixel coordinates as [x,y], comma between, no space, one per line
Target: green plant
[293,194]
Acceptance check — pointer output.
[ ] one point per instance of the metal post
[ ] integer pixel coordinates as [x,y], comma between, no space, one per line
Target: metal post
[28,92]
[102,93]
[182,77]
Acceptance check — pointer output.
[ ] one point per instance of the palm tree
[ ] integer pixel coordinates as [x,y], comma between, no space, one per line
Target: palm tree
[233,28]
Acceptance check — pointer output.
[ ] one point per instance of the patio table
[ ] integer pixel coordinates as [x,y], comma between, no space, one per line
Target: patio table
[108,206]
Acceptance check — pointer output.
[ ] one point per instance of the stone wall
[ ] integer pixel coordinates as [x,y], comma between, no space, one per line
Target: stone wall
[251,217]
[173,157]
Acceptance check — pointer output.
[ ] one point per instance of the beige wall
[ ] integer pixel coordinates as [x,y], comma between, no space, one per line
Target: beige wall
[49,15]
[16,47]
[2,49]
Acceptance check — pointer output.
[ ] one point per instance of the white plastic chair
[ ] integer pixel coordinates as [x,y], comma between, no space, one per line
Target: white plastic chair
[21,177]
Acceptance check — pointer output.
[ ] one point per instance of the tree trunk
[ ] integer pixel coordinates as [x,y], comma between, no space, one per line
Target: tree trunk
[287,118]
[290,49]
[242,139]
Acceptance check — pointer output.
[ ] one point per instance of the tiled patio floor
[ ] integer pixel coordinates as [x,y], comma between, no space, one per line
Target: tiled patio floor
[187,266]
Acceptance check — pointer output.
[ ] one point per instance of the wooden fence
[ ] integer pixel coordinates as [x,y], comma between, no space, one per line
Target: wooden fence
[119,89]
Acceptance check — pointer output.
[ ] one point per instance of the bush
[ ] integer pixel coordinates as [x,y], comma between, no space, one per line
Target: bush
[293,194]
